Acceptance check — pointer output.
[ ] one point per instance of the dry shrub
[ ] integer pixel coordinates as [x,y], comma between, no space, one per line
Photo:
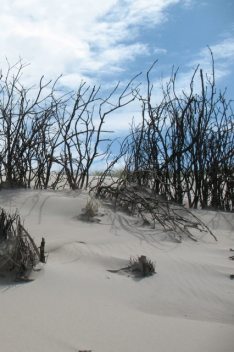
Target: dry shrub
[142,266]
[91,208]
[90,211]
[18,252]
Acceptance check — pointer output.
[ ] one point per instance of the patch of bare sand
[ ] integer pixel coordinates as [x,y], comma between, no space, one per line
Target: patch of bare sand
[74,303]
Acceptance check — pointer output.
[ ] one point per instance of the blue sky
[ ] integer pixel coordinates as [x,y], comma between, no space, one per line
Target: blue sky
[106,41]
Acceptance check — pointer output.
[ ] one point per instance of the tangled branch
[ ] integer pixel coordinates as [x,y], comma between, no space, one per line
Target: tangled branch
[152,208]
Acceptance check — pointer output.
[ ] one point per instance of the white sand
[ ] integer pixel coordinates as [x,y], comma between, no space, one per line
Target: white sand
[75,304]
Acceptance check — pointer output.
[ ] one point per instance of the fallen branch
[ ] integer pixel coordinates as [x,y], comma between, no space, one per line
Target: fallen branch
[154,209]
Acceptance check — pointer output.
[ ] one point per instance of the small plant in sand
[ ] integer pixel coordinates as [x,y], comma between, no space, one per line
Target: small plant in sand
[90,210]
[142,266]
[138,267]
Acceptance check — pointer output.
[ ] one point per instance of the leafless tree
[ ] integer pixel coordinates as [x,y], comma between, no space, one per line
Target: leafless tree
[49,137]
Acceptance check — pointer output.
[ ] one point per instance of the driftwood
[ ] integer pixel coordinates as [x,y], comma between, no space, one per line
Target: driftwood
[141,201]
[18,252]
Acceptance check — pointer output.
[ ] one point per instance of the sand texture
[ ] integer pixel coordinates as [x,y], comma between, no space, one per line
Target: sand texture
[74,303]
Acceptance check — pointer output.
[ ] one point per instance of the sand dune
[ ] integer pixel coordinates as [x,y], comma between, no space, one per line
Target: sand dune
[75,304]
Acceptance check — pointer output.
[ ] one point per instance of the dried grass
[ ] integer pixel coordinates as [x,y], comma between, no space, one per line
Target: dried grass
[142,266]
[18,252]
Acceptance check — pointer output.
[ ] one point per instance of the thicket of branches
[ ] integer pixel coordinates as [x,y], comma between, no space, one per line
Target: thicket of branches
[48,137]
[183,149]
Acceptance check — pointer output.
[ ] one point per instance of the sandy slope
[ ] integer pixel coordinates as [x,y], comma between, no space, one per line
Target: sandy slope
[74,303]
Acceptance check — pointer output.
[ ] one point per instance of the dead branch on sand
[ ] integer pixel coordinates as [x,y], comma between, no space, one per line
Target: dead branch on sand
[152,208]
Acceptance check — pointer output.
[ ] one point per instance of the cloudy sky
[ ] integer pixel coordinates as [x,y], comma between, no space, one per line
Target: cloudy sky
[106,41]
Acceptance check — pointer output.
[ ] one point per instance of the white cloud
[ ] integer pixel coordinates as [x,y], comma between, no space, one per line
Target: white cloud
[149,11]
[223,50]
[223,53]
[82,39]
[76,37]
[160,51]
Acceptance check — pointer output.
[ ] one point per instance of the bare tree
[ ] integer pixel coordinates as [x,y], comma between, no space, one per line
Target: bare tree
[48,137]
